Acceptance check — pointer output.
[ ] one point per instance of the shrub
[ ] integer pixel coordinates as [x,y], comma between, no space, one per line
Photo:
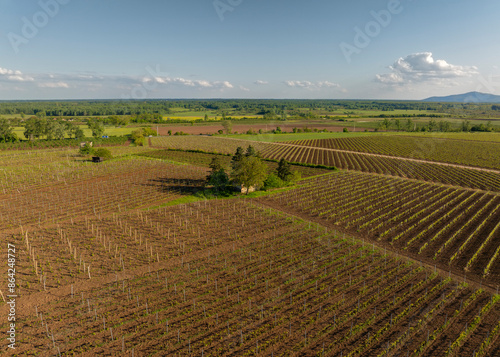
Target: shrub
[103,152]
[86,150]
[273,181]
[149,131]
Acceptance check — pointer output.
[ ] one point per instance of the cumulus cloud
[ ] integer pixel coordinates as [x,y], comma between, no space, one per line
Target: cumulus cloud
[156,80]
[260,82]
[422,67]
[245,89]
[14,75]
[311,85]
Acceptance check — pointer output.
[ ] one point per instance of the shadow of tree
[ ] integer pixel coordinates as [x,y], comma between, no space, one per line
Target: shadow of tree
[185,186]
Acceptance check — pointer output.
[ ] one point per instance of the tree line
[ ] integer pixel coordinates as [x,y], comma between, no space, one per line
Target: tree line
[269,107]
[432,125]
[49,129]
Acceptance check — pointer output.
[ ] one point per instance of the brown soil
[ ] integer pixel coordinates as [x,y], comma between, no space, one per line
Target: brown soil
[243,128]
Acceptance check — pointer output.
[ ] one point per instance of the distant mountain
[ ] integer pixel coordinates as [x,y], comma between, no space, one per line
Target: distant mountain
[471,97]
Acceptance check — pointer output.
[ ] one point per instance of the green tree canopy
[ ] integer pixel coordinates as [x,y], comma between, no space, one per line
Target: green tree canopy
[97,128]
[283,171]
[227,124]
[251,172]
[103,152]
[6,131]
[236,159]
[251,152]
[217,177]
[34,128]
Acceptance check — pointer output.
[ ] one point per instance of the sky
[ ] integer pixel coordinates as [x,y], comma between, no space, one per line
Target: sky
[311,49]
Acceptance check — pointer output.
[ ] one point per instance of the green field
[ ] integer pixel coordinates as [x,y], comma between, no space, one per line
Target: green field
[110,131]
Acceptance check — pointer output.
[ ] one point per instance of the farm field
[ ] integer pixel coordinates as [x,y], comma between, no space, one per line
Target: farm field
[238,278]
[480,154]
[425,171]
[111,261]
[201,159]
[455,228]
[213,128]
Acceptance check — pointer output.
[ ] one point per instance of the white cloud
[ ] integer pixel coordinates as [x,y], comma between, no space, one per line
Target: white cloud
[53,85]
[14,75]
[311,85]
[190,82]
[422,67]
[260,82]
[148,85]
[244,89]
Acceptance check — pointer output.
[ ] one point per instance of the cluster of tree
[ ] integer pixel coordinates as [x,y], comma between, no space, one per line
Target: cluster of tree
[36,128]
[138,136]
[83,108]
[248,170]
[116,120]
[432,125]
[147,118]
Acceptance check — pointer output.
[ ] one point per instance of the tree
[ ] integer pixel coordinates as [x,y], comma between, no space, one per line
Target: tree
[78,132]
[215,164]
[33,128]
[409,125]
[217,178]
[283,171]
[6,131]
[283,114]
[59,131]
[49,128]
[466,125]
[432,125]
[228,125]
[251,151]
[236,159]
[97,128]
[386,123]
[251,172]
[444,126]
[397,122]
[138,137]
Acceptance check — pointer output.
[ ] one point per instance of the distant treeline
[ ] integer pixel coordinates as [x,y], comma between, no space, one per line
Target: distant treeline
[85,108]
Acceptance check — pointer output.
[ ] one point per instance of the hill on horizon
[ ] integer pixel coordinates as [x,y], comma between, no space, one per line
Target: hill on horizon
[470,97]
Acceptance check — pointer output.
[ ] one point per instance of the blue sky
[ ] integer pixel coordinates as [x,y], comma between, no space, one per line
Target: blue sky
[357,49]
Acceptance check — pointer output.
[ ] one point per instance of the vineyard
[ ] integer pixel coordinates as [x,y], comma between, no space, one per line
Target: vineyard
[481,154]
[230,277]
[425,171]
[453,227]
[203,159]
[123,258]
